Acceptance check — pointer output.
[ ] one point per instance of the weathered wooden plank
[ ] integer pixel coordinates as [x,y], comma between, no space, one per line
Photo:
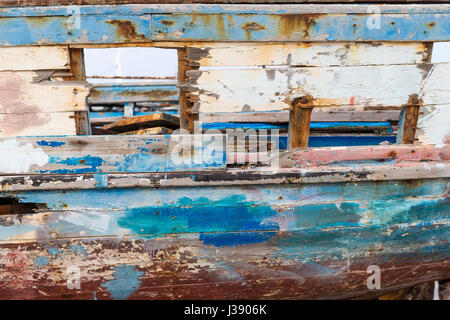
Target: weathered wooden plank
[21,92]
[102,154]
[213,209]
[283,116]
[275,9]
[37,124]
[249,271]
[183,22]
[156,130]
[434,125]
[27,3]
[187,117]
[121,93]
[143,122]
[364,155]
[307,54]
[322,127]
[78,71]
[299,122]
[311,27]
[34,58]
[270,89]
[407,125]
[403,170]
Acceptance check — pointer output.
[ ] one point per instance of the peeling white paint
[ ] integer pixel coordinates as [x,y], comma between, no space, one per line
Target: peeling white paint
[434,125]
[15,158]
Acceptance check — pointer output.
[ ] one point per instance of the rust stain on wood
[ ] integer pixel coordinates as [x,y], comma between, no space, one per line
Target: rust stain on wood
[291,24]
[299,122]
[126,29]
[410,119]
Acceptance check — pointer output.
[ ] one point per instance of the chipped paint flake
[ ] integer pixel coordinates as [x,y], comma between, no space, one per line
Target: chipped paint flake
[18,158]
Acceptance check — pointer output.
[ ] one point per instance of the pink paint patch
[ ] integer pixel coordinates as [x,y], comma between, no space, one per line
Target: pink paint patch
[352,101]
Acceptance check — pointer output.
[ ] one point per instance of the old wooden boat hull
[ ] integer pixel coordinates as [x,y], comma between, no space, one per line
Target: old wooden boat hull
[234,242]
[303,231]
[185,216]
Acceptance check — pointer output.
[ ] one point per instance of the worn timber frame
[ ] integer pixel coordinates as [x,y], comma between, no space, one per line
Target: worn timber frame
[182,25]
[141,224]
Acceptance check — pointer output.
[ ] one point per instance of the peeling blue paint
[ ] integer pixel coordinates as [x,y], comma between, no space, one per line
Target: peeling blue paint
[101,179]
[101,24]
[54,251]
[41,260]
[125,282]
[51,143]
[78,249]
[235,239]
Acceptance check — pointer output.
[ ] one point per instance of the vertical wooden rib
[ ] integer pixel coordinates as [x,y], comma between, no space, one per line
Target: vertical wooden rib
[299,122]
[407,125]
[408,121]
[187,118]
[78,71]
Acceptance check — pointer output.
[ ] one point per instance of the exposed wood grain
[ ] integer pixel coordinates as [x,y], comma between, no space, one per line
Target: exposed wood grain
[34,58]
[143,122]
[408,121]
[156,130]
[37,124]
[268,89]
[299,122]
[20,93]
[78,71]
[307,54]
[283,116]
[187,117]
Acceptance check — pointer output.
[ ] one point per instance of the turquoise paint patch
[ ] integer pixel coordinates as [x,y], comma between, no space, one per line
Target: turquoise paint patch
[41,260]
[201,215]
[328,215]
[235,239]
[125,282]
[78,249]
[101,179]
[54,251]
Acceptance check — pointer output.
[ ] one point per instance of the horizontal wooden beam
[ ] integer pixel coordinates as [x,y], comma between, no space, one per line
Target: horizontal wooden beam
[102,154]
[34,58]
[362,155]
[216,55]
[183,22]
[238,177]
[263,89]
[121,93]
[283,116]
[29,3]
